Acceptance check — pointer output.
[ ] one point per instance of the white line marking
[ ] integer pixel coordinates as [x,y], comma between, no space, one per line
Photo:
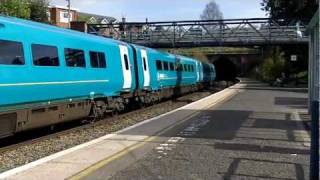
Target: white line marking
[301,126]
[53,83]
[164,144]
[160,148]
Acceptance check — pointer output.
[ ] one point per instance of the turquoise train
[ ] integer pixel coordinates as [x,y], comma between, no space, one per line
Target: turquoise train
[50,75]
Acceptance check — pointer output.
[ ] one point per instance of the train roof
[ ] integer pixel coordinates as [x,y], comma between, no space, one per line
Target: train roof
[4,20]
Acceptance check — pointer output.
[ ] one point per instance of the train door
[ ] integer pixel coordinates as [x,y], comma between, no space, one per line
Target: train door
[126,67]
[201,72]
[145,64]
[198,71]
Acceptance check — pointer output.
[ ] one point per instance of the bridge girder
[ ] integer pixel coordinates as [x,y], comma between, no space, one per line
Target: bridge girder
[200,33]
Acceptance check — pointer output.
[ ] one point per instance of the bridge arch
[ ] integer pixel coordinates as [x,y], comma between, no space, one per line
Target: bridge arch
[226,69]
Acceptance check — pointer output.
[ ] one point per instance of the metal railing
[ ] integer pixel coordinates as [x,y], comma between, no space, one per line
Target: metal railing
[229,32]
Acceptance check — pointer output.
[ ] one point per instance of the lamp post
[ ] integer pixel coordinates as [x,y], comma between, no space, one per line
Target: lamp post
[69,12]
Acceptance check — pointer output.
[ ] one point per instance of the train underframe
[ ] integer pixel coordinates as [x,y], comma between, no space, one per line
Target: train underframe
[41,116]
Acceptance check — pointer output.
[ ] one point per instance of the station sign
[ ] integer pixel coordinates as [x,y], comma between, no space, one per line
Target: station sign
[294,58]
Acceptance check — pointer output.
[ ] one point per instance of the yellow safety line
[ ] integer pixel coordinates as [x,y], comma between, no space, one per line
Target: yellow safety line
[125,151]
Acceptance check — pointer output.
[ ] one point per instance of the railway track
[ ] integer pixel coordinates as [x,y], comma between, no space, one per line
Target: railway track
[62,132]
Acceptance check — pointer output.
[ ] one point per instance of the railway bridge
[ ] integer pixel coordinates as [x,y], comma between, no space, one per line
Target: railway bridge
[200,33]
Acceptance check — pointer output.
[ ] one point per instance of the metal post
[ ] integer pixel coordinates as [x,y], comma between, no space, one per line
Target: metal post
[130,36]
[314,149]
[69,13]
[174,35]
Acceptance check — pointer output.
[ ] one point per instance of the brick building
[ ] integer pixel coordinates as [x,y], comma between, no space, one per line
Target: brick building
[59,15]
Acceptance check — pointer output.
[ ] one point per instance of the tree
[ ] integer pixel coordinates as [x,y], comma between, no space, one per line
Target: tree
[292,10]
[211,12]
[274,65]
[39,10]
[36,10]
[16,8]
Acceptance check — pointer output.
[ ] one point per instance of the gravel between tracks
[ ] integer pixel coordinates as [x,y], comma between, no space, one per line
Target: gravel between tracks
[32,152]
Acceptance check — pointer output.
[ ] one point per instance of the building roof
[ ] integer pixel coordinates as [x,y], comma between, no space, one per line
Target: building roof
[98,18]
[63,7]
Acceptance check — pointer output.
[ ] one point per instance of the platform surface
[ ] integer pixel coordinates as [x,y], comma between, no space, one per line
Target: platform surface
[249,131]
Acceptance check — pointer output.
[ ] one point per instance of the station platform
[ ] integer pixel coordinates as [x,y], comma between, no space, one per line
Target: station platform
[248,131]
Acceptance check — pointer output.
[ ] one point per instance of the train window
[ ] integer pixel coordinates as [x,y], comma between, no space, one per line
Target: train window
[98,60]
[74,57]
[159,64]
[165,66]
[185,67]
[11,53]
[126,61]
[192,68]
[44,55]
[179,67]
[144,64]
[171,66]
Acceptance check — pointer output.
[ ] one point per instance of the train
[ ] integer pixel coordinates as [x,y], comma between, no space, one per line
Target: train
[51,75]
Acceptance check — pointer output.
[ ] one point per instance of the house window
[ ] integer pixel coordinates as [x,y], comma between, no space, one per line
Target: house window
[65,14]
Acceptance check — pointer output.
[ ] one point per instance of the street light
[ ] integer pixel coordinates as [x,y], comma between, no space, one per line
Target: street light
[69,12]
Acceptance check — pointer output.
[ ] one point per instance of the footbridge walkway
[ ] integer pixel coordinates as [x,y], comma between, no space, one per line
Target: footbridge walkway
[197,33]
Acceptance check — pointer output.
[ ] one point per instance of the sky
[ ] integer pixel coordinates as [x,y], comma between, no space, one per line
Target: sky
[164,10]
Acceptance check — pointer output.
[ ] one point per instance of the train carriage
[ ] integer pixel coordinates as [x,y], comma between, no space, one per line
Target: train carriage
[50,75]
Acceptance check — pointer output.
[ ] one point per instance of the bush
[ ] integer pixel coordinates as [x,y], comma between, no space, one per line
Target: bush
[271,69]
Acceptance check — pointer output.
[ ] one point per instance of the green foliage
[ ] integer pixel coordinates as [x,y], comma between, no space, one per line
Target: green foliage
[35,10]
[290,9]
[16,8]
[272,68]
[39,10]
